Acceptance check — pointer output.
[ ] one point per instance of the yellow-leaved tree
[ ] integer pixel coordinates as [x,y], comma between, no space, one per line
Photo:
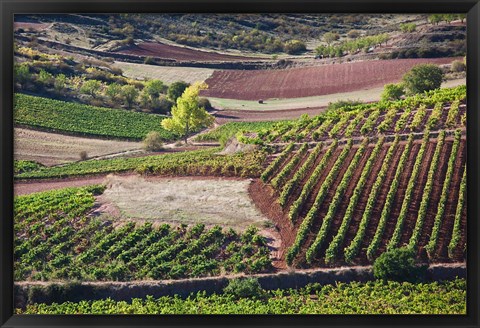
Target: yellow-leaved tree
[187,114]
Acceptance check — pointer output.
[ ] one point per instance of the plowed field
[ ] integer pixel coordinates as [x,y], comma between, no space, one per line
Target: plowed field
[310,81]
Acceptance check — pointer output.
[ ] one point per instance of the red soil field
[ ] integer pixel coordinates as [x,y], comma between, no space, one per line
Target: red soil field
[310,81]
[166,51]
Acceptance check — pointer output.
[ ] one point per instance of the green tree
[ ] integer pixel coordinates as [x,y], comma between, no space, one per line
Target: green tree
[392,91]
[129,94]
[113,91]
[423,77]
[176,89]
[60,82]
[187,114]
[44,77]
[91,87]
[154,88]
[22,73]
[435,19]
[329,37]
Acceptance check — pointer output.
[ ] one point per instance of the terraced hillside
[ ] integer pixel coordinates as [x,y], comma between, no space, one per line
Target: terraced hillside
[376,178]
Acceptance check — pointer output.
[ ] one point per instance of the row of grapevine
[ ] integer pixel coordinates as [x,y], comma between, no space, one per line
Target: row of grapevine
[432,243]
[375,243]
[280,178]
[331,252]
[273,167]
[310,184]
[436,116]
[312,213]
[453,114]
[412,181]
[300,174]
[352,250]
[418,117]
[370,122]
[456,233]
[332,208]
[422,211]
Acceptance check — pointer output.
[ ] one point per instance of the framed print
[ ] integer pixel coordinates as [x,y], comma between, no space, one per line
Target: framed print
[239,163]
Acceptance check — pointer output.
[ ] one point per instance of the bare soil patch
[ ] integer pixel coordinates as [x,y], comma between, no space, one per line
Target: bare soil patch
[310,81]
[53,148]
[211,201]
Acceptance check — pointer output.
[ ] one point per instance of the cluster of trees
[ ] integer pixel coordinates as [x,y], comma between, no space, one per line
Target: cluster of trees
[350,46]
[408,27]
[150,96]
[420,78]
[435,19]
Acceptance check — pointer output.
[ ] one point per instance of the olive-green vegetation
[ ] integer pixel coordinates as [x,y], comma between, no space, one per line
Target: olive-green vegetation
[375,297]
[74,118]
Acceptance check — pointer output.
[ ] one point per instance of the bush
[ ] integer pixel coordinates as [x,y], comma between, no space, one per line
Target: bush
[458,66]
[423,77]
[392,91]
[153,141]
[205,103]
[245,288]
[293,47]
[399,265]
[176,89]
[342,103]
[83,155]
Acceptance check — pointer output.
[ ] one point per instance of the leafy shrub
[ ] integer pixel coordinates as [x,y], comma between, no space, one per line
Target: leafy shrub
[153,141]
[294,47]
[83,155]
[398,264]
[245,288]
[392,91]
[458,66]
[342,103]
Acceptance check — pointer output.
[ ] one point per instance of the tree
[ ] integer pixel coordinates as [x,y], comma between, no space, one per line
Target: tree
[60,82]
[329,37]
[154,88]
[114,91]
[91,87]
[45,77]
[187,114]
[129,94]
[423,77]
[392,91]
[176,89]
[22,73]
[435,19]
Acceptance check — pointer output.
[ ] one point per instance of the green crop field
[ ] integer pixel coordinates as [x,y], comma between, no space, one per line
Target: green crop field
[78,119]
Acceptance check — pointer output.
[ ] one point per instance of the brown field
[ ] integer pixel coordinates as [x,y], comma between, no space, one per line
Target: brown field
[53,148]
[166,51]
[310,81]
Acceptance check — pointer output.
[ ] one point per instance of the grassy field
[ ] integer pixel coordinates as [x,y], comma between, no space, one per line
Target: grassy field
[54,148]
[74,118]
[166,74]
[184,200]
[353,298]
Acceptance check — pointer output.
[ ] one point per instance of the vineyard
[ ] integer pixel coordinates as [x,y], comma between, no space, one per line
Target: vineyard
[349,186]
[354,298]
[78,119]
[55,238]
[198,162]
[442,109]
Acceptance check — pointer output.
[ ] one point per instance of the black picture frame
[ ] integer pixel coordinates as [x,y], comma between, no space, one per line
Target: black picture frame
[10,7]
